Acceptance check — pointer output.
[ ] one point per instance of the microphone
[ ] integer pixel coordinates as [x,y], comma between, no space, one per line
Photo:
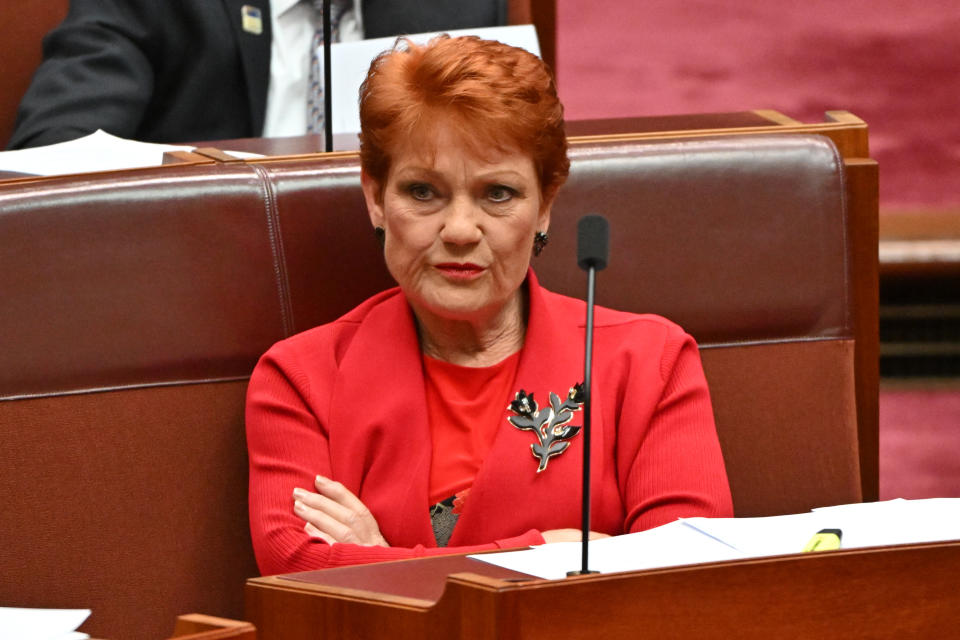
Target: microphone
[593,249]
[593,242]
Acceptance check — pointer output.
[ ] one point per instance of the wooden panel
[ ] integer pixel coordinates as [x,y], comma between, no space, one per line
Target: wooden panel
[863,232]
[543,15]
[196,626]
[889,592]
[847,131]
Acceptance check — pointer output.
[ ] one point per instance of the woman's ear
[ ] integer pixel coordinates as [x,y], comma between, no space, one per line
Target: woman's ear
[546,207]
[373,195]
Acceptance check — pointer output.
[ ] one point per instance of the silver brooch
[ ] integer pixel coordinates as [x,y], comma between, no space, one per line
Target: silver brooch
[549,424]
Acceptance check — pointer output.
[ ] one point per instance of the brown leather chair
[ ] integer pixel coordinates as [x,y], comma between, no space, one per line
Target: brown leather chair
[136,303]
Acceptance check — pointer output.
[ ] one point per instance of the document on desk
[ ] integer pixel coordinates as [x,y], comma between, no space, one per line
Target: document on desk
[669,545]
[99,151]
[42,624]
[699,540]
[867,524]
[873,524]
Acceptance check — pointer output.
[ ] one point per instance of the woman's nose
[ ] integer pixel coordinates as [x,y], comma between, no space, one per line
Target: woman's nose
[460,224]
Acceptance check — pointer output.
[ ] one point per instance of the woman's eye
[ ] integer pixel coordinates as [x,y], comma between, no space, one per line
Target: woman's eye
[420,191]
[499,193]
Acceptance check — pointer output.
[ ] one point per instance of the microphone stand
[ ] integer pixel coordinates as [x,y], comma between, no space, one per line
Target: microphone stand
[592,254]
[327,97]
[587,406]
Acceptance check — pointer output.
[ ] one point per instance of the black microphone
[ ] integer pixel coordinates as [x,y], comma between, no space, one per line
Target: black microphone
[593,249]
[593,242]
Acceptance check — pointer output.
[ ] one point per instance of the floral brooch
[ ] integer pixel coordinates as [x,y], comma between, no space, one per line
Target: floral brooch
[548,424]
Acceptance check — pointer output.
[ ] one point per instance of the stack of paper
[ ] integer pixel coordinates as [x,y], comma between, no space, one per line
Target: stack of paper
[98,151]
[698,540]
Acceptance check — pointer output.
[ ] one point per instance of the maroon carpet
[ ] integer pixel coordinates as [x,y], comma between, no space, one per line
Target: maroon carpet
[894,64]
[919,443]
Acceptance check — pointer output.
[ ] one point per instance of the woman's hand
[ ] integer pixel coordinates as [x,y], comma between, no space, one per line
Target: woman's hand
[569,535]
[336,515]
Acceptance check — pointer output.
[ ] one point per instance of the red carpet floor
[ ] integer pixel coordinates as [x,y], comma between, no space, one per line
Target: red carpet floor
[894,64]
[919,443]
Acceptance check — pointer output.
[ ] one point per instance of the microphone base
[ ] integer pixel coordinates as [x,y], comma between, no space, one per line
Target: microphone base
[581,572]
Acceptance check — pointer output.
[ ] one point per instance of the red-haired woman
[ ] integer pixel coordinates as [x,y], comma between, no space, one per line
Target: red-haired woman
[406,427]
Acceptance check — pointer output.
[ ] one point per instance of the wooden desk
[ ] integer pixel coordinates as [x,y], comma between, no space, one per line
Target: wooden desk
[888,592]
[839,125]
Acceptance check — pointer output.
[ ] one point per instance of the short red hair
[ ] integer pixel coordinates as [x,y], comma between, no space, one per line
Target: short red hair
[497,95]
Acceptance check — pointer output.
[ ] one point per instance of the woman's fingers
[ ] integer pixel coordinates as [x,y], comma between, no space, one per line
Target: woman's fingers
[323,503]
[312,531]
[323,522]
[569,535]
[339,494]
[336,515]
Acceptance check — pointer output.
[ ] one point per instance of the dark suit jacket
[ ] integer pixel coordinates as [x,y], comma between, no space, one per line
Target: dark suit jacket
[183,70]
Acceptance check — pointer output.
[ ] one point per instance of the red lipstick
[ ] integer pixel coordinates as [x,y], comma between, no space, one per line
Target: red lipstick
[460,270]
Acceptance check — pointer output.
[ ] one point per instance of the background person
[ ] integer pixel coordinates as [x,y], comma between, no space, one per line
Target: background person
[188,71]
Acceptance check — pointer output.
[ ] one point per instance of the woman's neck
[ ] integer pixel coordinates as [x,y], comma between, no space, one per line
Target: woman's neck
[480,342]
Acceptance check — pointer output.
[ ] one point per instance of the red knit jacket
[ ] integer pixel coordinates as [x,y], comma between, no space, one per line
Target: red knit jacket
[346,400]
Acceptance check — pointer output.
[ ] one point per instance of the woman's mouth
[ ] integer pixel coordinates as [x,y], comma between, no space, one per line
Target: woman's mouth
[460,270]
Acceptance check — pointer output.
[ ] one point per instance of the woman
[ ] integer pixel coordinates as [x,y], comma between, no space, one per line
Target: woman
[406,427]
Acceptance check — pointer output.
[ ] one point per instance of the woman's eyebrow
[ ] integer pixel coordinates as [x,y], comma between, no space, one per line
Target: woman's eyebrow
[416,171]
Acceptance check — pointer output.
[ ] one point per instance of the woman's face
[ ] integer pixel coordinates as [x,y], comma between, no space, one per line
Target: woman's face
[459,228]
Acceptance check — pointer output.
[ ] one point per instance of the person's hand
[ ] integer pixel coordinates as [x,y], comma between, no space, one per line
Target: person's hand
[569,535]
[336,515]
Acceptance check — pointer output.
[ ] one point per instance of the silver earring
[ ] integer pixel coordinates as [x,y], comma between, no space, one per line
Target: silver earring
[540,239]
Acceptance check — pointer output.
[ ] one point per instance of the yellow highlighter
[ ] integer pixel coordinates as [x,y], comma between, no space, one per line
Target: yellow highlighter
[824,540]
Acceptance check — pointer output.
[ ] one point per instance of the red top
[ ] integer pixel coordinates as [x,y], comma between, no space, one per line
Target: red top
[465,407]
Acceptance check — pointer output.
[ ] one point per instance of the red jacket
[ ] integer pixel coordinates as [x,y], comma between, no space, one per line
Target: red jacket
[346,400]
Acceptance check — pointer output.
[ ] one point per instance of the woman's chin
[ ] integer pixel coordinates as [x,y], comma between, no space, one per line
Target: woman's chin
[463,306]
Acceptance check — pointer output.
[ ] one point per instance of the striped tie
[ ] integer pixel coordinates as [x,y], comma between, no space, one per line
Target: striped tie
[315,109]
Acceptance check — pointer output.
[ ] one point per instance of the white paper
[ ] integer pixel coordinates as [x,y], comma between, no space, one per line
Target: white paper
[699,540]
[245,155]
[42,624]
[350,62]
[896,522]
[670,545]
[98,151]
[868,524]
[773,535]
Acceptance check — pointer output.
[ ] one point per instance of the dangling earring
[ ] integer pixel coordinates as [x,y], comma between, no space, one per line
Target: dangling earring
[540,239]
[381,236]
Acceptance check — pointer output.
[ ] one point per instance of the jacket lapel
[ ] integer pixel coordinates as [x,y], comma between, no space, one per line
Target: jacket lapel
[254,54]
[379,435]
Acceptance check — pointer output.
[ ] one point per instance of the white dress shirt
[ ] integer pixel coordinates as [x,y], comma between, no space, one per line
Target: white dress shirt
[293,23]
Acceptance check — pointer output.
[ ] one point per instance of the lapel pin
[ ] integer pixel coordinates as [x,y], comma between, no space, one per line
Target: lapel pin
[252,19]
